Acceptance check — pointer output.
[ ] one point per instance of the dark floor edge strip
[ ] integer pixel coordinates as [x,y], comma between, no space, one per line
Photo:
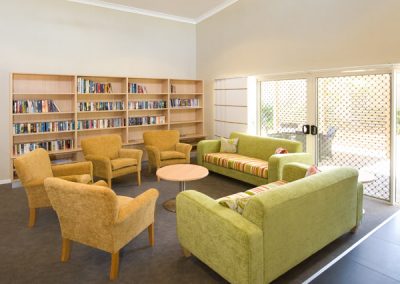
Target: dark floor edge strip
[339,257]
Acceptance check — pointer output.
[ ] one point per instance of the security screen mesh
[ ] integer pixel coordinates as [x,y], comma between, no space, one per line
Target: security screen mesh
[354,127]
[283,109]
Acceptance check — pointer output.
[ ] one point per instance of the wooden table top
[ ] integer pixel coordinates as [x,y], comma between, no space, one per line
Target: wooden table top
[182,172]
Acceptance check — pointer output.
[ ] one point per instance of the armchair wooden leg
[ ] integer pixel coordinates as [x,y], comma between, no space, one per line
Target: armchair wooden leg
[150,230]
[32,217]
[139,178]
[186,253]
[148,168]
[109,182]
[65,250]
[114,266]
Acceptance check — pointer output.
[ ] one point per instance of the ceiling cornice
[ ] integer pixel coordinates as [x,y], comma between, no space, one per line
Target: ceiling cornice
[215,10]
[151,13]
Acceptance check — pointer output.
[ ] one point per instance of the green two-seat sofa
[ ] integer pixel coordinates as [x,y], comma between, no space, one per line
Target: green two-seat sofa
[255,161]
[277,229]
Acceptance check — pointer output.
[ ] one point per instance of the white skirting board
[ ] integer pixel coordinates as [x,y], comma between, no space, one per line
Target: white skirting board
[5,181]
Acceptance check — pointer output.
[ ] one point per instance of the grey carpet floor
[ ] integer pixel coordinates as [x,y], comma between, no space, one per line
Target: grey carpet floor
[33,255]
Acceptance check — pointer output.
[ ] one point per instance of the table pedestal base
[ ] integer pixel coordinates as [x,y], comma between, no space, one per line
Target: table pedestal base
[170,205]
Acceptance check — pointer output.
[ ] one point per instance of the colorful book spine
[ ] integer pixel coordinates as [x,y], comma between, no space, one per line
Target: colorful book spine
[100,106]
[184,103]
[34,106]
[43,127]
[146,120]
[50,145]
[86,86]
[101,123]
[147,104]
[135,88]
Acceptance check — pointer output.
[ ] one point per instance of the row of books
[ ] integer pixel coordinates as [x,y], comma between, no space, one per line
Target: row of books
[95,106]
[90,87]
[136,88]
[147,104]
[101,123]
[34,106]
[43,127]
[184,102]
[146,120]
[50,145]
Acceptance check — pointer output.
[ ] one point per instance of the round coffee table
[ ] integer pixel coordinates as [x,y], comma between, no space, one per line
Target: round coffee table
[181,173]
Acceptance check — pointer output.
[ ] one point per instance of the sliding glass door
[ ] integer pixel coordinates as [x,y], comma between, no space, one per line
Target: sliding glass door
[354,127]
[283,109]
[352,112]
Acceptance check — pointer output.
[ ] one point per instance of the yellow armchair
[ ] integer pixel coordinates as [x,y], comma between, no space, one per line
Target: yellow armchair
[95,216]
[109,159]
[163,148]
[33,167]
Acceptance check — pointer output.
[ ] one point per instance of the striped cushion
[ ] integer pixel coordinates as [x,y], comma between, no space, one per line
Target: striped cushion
[238,201]
[253,166]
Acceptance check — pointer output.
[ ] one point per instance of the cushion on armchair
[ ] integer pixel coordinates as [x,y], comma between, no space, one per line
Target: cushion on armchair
[168,155]
[120,163]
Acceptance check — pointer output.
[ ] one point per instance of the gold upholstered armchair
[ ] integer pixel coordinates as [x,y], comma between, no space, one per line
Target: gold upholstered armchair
[32,168]
[109,159]
[163,148]
[95,216]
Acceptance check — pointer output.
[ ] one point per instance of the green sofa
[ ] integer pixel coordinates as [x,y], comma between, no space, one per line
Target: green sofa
[262,148]
[277,230]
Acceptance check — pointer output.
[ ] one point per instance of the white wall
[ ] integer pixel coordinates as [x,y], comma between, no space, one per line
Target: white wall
[254,37]
[61,37]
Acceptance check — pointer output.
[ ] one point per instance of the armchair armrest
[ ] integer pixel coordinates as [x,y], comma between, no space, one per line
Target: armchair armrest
[101,164]
[185,149]
[80,168]
[277,161]
[154,155]
[207,146]
[132,153]
[294,171]
[220,237]
[141,207]
[34,183]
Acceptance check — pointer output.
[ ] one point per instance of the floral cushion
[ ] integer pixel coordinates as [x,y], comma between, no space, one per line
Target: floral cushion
[281,150]
[252,166]
[312,170]
[238,201]
[229,145]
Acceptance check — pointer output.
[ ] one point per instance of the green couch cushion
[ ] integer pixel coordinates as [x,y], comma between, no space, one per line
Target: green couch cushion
[238,162]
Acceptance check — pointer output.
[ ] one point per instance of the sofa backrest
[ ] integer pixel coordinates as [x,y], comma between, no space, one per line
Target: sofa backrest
[303,216]
[263,147]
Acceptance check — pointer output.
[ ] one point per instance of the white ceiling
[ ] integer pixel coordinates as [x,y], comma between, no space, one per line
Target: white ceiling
[190,11]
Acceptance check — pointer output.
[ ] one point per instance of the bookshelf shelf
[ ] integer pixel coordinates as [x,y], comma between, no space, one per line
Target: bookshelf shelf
[100,129]
[44,94]
[185,108]
[42,113]
[147,125]
[85,101]
[185,122]
[100,111]
[43,133]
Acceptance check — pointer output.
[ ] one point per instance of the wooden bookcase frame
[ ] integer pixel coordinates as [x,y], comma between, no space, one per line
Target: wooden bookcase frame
[63,91]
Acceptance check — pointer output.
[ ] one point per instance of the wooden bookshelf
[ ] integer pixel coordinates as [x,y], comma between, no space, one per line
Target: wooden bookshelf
[93,100]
